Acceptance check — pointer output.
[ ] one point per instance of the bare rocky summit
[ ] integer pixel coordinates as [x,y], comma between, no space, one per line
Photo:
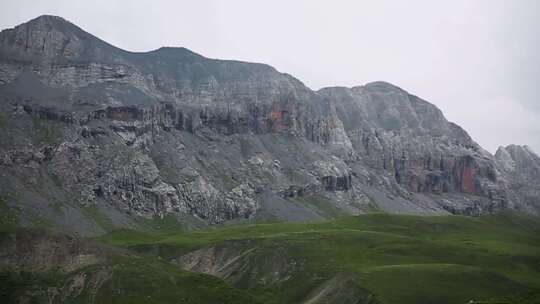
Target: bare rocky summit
[92,133]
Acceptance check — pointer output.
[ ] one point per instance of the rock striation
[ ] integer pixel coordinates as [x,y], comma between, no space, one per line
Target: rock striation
[170,132]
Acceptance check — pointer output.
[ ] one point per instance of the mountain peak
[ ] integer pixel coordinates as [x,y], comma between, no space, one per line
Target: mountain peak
[53,38]
[383,86]
[51,22]
[175,52]
[512,148]
[517,155]
[48,18]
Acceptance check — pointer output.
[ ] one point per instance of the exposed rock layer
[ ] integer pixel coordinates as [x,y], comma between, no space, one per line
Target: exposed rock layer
[172,132]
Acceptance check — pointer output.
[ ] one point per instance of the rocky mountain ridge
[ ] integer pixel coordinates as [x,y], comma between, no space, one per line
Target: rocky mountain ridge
[92,129]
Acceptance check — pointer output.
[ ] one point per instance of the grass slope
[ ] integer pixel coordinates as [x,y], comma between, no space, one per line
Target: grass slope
[396,258]
[124,281]
[37,266]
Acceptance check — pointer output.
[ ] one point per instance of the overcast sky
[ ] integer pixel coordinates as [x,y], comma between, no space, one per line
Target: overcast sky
[479,61]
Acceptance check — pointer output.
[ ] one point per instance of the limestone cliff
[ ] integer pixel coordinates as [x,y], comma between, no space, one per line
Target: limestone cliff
[169,132]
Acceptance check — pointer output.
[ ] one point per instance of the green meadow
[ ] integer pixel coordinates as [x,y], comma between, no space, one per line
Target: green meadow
[379,257]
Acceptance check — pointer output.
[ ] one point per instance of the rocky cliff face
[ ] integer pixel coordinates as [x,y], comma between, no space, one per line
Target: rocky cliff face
[170,132]
[522,166]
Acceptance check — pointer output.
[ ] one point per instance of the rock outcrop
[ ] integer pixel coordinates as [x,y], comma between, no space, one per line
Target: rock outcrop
[170,132]
[522,167]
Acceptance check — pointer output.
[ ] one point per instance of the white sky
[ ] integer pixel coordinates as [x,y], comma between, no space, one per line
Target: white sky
[476,60]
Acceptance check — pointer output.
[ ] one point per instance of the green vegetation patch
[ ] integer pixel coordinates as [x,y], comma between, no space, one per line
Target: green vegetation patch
[142,280]
[27,287]
[436,283]
[397,258]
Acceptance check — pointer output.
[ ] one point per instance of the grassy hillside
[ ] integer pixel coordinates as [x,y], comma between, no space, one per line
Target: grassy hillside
[37,266]
[374,258]
[379,257]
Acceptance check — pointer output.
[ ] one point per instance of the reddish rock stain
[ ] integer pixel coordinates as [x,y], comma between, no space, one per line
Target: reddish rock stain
[467,177]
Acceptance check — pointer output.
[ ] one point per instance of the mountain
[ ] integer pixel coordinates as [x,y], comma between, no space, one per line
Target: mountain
[95,138]
[522,166]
